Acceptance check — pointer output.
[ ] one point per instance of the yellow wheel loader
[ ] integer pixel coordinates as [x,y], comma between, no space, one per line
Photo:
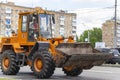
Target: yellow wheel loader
[35,46]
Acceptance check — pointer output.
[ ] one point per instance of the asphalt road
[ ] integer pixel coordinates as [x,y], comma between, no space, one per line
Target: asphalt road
[96,73]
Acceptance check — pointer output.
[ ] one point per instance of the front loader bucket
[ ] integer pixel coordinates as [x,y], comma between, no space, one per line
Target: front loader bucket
[80,55]
[74,48]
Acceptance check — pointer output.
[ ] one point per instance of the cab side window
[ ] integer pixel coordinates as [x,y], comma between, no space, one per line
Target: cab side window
[24,23]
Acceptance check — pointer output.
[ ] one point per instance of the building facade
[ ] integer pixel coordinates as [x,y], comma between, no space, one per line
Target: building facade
[108,32]
[9,16]
[65,23]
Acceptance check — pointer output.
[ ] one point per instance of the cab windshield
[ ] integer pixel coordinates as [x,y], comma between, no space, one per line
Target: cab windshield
[45,26]
[40,25]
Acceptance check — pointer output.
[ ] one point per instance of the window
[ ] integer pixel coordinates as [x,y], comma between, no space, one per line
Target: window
[8,21]
[24,23]
[8,10]
[74,32]
[74,17]
[62,22]
[73,23]
[8,26]
[62,17]
[61,26]
[8,31]
[16,16]
[62,31]
[2,8]
[8,14]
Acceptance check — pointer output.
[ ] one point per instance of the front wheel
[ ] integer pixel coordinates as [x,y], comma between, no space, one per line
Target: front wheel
[43,65]
[73,72]
[8,63]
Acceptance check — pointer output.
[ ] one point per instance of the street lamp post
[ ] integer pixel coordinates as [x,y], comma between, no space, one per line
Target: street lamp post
[115,24]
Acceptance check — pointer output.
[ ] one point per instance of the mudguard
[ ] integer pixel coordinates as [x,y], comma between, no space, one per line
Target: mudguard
[39,46]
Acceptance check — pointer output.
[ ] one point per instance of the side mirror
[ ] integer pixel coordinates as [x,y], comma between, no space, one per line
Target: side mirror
[53,19]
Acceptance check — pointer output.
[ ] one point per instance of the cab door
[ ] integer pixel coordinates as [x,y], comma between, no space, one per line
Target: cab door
[23,28]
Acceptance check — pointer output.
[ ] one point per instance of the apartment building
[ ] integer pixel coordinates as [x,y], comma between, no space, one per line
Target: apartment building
[9,16]
[108,32]
[65,23]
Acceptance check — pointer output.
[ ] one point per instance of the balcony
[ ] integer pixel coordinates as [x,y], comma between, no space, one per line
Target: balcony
[53,32]
[8,11]
[8,17]
[62,28]
[118,40]
[74,34]
[118,31]
[73,23]
[53,28]
[74,20]
[62,23]
[73,29]
[118,43]
[62,31]
[118,27]
[62,18]
[118,35]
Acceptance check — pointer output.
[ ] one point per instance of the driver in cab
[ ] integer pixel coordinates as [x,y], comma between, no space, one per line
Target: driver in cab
[34,27]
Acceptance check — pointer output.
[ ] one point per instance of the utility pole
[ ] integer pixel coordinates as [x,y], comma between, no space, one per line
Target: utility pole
[115,24]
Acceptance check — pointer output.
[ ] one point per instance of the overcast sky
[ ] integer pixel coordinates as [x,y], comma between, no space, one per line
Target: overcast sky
[90,13]
[66,4]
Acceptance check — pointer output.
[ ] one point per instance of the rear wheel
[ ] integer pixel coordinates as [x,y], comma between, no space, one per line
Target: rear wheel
[43,65]
[8,63]
[73,72]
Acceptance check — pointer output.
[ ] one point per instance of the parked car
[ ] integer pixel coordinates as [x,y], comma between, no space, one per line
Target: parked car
[104,50]
[116,56]
[115,52]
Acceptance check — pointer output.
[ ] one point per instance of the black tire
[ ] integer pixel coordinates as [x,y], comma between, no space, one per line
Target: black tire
[12,68]
[48,65]
[73,72]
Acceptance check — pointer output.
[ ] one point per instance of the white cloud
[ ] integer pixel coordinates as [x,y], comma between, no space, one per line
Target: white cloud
[88,18]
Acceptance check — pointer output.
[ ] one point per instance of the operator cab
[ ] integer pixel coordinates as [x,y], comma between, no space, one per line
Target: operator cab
[40,25]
